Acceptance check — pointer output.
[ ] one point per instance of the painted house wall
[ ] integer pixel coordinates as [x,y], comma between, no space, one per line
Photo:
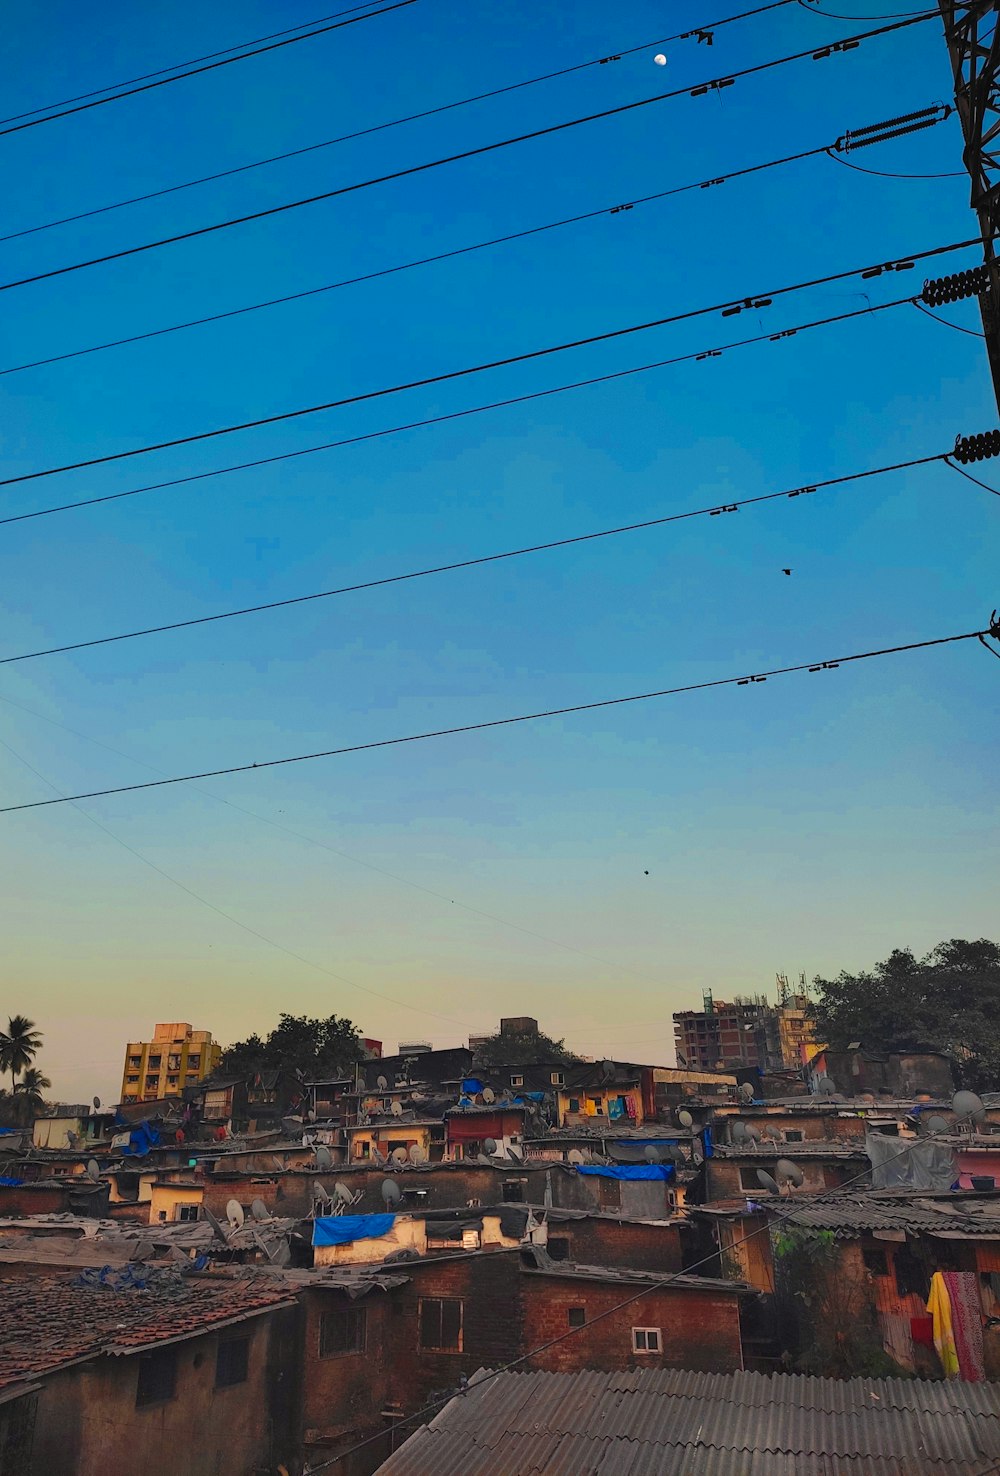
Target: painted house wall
[408,1233]
[166,1199]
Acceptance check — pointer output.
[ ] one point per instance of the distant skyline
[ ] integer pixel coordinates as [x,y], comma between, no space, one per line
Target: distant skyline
[596,871]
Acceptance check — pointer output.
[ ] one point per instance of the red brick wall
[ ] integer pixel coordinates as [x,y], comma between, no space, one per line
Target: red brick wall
[33,1199]
[615,1243]
[345,1393]
[698,1330]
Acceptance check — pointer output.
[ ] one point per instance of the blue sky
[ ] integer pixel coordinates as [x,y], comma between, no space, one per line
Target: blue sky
[813,823]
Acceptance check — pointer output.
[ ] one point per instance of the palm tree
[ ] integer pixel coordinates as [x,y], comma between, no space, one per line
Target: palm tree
[19,1044]
[29,1094]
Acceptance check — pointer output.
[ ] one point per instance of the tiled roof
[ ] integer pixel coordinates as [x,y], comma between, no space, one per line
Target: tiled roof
[50,1322]
[670,1423]
[814,1148]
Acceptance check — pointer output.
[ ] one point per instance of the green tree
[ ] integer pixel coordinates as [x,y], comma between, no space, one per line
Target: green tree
[510,1048]
[317,1048]
[946,1001]
[29,1095]
[19,1045]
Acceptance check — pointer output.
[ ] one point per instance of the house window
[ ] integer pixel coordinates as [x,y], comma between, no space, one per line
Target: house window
[517,1081]
[646,1340]
[441,1324]
[187,1212]
[343,1331]
[911,1274]
[194,1063]
[749,1179]
[557,1078]
[598,1105]
[874,1259]
[135,1062]
[577,1316]
[157,1377]
[513,1191]
[609,1193]
[154,1063]
[558,1249]
[794,1135]
[231,1362]
[574,1104]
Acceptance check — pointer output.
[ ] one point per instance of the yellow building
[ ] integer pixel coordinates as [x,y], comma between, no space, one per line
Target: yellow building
[175,1058]
[796,1031]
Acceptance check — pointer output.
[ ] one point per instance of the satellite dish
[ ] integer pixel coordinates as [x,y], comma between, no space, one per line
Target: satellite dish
[97,1104]
[234,1214]
[607,1069]
[341,1193]
[575,1156]
[489,1095]
[398,1155]
[652,1153]
[73,1139]
[789,1172]
[282,1254]
[94,1170]
[391,1193]
[697,1153]
[489,1145]
[417,1154]
[376,1155]
[968,1106]
[772,1133]
[324,1158]
[382,1083]
[259,1210]
[746,1091]
[397,1107]
[311,1115]
[684,1118]
[213,1222]
[321,1194]
[825,1087]
[936,1123]
[737,1131]
[515,1153]
[765,1178]
[753,1133]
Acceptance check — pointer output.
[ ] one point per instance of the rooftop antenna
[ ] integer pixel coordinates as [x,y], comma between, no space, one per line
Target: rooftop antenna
[93,1170]
[489,1095]
[968,1107]
[398,1156]
[652,1153]
[746,1091]
[737,1131]
[376,1155]
[684,1118]
[344,1196]
[772,1132]
[397,1107]
[608,1070]
[321,1194]
[825,1087]
[216,1227]
[235,1215]
[489,1145]
[417,1154]
[936,1123]
[753,1133]
[767,1181]
[259,1210]
[324,1158]
[391,1193]
[788,1172]
[382,1083]
[575,1156]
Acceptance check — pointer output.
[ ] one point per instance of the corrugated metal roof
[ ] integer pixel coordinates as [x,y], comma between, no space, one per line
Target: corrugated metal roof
[664,1422]
[863,1212]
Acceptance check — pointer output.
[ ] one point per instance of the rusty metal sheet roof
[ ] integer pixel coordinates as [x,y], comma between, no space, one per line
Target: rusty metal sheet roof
[664,1422]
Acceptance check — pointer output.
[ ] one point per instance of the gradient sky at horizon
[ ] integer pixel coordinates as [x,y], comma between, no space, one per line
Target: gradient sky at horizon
[812,823]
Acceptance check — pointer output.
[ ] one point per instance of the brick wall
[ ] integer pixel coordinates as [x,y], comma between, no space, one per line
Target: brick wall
[615,1243]
[698,1330]
[723,1174]
[344,1394]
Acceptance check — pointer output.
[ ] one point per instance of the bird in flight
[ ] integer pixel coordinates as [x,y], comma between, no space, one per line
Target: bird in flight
[786,571]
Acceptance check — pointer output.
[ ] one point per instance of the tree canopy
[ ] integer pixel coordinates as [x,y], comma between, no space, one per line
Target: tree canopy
[949,1000]
[317,1048]
[510,1048]
[19,1045]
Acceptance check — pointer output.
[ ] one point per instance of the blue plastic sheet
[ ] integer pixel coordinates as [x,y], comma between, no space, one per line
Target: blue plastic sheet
[471,1086]
[627,1170]
[345,1229]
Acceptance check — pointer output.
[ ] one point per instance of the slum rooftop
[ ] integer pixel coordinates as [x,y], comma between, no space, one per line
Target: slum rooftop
[660,1422]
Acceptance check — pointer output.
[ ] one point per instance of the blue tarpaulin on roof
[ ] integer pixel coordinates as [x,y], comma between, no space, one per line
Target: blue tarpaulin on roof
[9,1183]
[627,1170]
[345,1229]
[472,1085]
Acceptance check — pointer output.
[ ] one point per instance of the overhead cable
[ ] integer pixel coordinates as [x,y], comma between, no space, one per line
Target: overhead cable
[619,208]
[714,353]
[699,34]
[727,308]
[82,107]
[710,511]
[746,679]
[849,43]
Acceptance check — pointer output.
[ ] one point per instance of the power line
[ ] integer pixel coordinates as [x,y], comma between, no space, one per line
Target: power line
[327,143]
[968,477]
[244,927]
[728,308]
[666,1281]
[470,563]
[865,312]
[619,207]
[827,664]
[849,43]
[15,127]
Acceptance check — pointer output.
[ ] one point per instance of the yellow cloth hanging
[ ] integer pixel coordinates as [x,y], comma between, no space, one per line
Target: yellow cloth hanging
[939,1306]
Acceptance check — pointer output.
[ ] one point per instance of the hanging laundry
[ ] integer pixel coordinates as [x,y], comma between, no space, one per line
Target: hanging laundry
[616,1108]
[630,1107]
[939,1306]
[966,1323]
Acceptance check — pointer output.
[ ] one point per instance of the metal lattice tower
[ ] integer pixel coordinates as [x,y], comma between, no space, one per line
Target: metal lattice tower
[973,38]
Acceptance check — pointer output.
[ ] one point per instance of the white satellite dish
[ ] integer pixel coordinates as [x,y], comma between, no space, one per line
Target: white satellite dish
[753,1133]
[321,1195]
[382,1083]
[397,1107]
[489,1095]
[765,1178]
[746,1091]
[771,1132]
[737,1131]
[788,1172]
[341,1193]
[652,1153]
[324,1158]
[97,1104]
[259,1210]
[968,1107]
[234,1214]
[575,1156]
[936,1123]
[391,1192]
[94,1170]
[684,1118]
[417,1154]
[398,1156]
